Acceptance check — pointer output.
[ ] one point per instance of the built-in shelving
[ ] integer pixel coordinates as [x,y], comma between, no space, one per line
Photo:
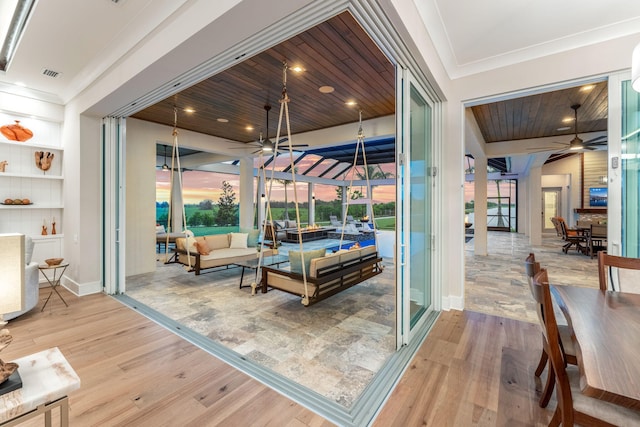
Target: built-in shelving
[22,179]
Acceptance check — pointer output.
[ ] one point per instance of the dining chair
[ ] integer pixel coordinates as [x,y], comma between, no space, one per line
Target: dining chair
[620,274]
[572,237]
[573,407]
[597,239]
[532,268]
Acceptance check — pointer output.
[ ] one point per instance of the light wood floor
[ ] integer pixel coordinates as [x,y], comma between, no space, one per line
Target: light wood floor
[473,369]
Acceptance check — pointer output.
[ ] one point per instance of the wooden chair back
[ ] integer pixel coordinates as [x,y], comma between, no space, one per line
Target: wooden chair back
[563,388]
[556,224]
[531,268]
[620,274]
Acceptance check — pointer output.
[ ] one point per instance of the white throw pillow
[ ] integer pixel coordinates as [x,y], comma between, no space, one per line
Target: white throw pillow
[159,229]
[239,240]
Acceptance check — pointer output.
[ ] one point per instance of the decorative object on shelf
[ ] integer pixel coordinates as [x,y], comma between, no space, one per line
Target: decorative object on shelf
[44,227]
[3,165]
[17,202]
[16,132]
[6,368]
[43,160]
[53,226]
[53,261]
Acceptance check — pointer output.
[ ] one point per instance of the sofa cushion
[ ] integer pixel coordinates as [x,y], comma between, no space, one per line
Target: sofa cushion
[229,255]
[296,258]
[217,241]
[321,263]
[203,247]
[253,236]
[238,240]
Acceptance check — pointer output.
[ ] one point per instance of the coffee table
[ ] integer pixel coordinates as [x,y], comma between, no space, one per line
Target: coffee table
[253,264]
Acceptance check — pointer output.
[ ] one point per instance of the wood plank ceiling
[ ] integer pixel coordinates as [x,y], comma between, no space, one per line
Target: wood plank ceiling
[340,54]
[542,115]
[336,53]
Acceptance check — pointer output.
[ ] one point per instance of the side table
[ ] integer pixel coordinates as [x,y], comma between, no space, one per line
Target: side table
[47,379]
[54,279]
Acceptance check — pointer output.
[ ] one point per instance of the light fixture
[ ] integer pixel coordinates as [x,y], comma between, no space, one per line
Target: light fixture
[635,68]
[12,270]
[267,146]
[13,17]
[576,142]
[165,166]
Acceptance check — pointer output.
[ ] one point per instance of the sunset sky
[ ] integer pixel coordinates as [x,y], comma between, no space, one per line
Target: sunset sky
[198,186]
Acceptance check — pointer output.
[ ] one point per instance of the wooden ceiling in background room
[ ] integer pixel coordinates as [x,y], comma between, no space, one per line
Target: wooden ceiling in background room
[541,115]
[336,53]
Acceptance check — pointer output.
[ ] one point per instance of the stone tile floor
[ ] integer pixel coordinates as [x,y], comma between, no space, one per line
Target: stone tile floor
[496,283]
[337,346]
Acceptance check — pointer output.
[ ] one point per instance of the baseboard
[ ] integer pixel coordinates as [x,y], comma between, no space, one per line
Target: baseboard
[453,303]
[81,289]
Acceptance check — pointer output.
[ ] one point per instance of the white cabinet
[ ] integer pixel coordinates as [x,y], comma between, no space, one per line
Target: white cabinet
[22,179]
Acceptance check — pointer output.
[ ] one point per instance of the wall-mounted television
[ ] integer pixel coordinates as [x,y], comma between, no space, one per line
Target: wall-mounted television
[598,197]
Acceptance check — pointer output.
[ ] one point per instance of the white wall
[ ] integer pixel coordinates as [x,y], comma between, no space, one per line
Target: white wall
[567,173]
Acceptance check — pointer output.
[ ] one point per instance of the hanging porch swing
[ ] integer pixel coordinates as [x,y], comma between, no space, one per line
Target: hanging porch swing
[313,275]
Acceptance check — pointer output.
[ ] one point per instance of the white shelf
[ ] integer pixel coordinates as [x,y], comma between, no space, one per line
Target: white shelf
[19,175]
[29,145]
[33,206]
[36,237]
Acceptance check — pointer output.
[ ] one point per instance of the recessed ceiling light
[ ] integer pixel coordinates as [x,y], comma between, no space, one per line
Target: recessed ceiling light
[351,103]
[568,120]
[189,110]
[326,89]
[297,69]
[249,128]
[587,88]
[563,128]
[221,120]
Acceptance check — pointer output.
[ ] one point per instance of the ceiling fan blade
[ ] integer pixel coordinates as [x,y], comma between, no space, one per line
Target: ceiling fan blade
[596,139]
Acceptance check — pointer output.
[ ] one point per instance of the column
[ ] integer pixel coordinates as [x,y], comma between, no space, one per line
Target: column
[246,192]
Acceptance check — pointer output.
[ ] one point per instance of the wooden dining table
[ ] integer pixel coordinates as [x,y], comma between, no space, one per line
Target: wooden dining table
[606,332]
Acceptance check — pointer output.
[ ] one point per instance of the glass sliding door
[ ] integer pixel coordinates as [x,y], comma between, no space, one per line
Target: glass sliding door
[113,207]
[630,153]
[415,234]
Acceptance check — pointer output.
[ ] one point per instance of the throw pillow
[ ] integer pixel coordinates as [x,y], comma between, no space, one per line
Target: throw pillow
[239,240]
[203,247]
[253,236]
[159,229]
[296,258]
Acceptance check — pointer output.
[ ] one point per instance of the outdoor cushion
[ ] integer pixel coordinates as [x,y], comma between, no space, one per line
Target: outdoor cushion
[238,240]
[253,235]
[296,259]
[217,241]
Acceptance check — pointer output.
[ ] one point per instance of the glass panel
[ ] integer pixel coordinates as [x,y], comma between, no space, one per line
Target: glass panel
[630,170]
[419,207]
[550,200]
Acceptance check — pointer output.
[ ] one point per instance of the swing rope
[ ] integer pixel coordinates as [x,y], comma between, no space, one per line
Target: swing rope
[175,163]
[352,170]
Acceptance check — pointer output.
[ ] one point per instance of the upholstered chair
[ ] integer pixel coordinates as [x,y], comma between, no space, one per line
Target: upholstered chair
[31,279]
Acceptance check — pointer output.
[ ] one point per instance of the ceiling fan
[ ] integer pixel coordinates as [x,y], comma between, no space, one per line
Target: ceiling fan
[266,146]
[577,143]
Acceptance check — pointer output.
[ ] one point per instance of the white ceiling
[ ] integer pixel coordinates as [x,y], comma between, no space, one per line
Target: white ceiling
[474,36]
[81,39]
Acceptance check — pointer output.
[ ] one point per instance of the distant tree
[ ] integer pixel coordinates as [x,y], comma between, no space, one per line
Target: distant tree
[227,206]
[205,205]
[195,219]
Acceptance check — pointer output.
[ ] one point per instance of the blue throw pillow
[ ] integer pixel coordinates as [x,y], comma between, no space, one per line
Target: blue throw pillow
[296,258]
[253,236]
